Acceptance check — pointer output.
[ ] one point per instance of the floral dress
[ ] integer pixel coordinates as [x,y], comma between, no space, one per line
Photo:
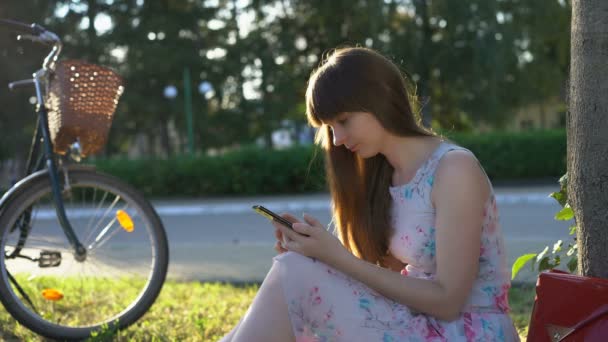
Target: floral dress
[326,305]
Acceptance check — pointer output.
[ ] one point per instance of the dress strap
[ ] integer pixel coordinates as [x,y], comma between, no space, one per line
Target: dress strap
[433,162]
[441,151]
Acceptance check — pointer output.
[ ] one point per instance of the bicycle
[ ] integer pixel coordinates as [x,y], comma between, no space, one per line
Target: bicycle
[83,252]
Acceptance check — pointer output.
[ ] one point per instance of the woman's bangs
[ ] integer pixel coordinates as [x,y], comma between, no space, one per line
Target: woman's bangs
[327,97]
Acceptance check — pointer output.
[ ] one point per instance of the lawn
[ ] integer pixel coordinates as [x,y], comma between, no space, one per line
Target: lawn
[206,311]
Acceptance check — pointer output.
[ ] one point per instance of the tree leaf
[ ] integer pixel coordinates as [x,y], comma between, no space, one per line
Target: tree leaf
[557,246]
[520,262]
[572,264]
[572,229]
[542,254]
[572,249]
[560,197]
[563,181]
[565,214]
[544,264]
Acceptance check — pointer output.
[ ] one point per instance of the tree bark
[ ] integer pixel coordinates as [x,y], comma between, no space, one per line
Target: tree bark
[588,134]
[164,138]
[422,11]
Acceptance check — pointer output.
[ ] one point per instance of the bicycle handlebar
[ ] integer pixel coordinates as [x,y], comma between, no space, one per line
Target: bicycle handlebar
[37,34]
[33,29]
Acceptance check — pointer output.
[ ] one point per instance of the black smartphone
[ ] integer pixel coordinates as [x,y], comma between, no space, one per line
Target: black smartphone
[272,216]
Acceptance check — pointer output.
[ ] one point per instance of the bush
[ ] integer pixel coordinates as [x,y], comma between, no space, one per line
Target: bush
[509,156]
[247,171]
[251,171]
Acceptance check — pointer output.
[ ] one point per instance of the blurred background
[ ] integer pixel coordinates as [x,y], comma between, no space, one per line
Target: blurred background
[214,102]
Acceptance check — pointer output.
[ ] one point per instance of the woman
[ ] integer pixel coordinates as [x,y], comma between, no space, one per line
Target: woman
[401,196]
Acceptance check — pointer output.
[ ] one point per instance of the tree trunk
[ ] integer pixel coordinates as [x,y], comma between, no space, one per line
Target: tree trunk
[588,134]
[164,138]
[422,11]
[93,9]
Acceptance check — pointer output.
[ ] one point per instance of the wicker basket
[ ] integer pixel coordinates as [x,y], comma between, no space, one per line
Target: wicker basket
[81,101]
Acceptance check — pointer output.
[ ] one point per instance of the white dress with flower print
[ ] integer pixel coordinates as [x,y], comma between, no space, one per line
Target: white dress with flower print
[327,305]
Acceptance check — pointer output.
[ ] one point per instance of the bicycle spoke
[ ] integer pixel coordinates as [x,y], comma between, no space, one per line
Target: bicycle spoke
[101,220]
[90,227]
[98,240]
[38,242]
[120,270]
[114,270]
[121,267]
[54,240]
[107,238]
[101,234]
[96,210]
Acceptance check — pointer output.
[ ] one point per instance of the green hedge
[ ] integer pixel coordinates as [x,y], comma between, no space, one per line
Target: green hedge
[511,156]
[249,171]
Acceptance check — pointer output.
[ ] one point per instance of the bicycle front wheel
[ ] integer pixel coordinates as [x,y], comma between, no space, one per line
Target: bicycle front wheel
[56,294]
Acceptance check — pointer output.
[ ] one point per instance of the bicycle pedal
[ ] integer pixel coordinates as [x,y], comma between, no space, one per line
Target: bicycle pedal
[49,259]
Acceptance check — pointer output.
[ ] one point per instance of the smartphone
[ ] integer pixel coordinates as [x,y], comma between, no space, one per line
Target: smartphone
[272,216]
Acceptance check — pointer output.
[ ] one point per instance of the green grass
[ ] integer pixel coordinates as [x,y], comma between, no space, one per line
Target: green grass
[85,301]
[206,311]
[521,299]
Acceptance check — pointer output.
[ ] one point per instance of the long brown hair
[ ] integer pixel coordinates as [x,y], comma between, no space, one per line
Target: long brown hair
[360,79]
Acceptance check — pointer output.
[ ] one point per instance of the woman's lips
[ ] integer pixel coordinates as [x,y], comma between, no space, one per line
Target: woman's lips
[353,148]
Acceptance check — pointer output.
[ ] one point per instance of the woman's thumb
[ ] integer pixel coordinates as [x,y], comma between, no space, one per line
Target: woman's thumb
[311,220]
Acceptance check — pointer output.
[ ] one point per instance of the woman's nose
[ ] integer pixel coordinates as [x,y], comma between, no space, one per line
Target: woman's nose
[338,137]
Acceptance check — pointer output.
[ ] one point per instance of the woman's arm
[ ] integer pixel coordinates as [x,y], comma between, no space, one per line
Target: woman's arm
[460,194]
[392,263]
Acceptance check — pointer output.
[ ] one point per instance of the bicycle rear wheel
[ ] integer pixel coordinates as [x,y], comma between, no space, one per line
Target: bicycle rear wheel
[52,293]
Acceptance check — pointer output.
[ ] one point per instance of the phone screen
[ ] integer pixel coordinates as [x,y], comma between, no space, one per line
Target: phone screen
[271,215]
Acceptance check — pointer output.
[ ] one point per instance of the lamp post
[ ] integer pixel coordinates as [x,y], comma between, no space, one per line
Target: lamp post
[204,88]
[188,109]
[169,92]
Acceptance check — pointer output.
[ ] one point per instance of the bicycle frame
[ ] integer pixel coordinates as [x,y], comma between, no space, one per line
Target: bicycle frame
[38,160]
[80,251]
[93,279]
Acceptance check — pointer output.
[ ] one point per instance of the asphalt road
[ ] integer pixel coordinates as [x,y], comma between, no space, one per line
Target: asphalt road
[224,240]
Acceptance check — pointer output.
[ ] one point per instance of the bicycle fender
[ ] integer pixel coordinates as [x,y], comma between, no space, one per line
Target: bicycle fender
[25,182]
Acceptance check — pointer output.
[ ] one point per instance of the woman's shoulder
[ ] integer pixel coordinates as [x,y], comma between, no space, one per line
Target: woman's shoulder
[459,170]
[453,156]
[458,163]
[453,153]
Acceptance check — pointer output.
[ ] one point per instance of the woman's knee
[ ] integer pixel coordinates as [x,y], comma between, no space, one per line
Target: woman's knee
[294,265]
[293,260]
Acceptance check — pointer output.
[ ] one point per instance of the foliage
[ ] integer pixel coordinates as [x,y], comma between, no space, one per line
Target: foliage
[299,169]
[472,61]
[246,171]
[17,61]
[183,312]
[523,155]
[253,170]
[544,261]
[195,311]
[521,302]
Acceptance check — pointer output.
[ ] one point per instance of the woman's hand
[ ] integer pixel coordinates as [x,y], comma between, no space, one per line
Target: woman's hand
[281,240]
[392,263]
[311,239]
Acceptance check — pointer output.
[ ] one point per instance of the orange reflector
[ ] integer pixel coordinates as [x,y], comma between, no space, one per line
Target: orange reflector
[125,220]
[52,294]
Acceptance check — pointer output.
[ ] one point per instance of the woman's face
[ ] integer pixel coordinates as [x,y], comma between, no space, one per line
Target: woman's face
[360,132]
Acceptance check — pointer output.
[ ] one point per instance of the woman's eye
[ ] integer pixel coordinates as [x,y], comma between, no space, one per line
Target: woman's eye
[342,121]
